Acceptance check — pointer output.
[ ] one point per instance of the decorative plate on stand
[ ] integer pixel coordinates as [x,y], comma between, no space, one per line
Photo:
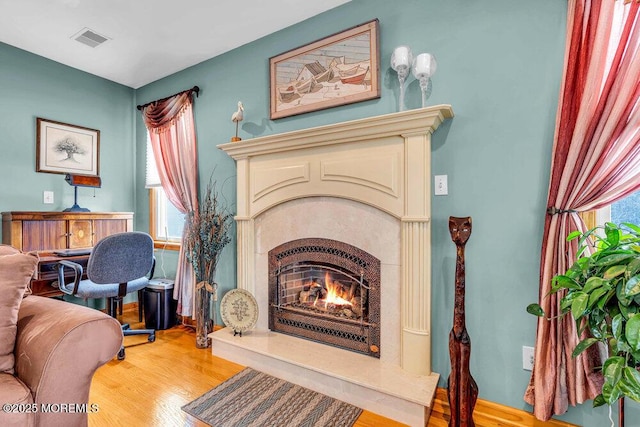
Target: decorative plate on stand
[239,310]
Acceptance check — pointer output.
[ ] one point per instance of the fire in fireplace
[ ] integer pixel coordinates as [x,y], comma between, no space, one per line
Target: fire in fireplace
[326,291]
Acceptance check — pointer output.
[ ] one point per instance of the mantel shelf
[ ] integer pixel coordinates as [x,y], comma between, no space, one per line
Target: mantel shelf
[405,122]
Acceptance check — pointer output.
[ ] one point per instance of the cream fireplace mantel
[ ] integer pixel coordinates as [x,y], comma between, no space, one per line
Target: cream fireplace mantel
[366,183]
[382,161]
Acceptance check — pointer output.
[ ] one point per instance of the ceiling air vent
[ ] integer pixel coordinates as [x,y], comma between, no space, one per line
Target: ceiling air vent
[89,37]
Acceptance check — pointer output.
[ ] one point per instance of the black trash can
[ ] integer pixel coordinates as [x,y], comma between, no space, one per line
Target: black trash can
[159,305]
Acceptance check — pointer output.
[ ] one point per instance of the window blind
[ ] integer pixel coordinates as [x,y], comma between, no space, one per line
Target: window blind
[152,179]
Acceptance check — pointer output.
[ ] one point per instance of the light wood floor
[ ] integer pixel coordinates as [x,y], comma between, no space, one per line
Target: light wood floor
[156,379]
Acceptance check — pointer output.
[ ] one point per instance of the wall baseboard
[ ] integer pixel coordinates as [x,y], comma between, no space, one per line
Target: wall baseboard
[489,414]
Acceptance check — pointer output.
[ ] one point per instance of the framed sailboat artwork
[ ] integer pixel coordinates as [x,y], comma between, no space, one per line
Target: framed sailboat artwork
[339,69]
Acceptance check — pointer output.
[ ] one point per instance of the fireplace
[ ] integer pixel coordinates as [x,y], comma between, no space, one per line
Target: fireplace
[366,184]
[326,291]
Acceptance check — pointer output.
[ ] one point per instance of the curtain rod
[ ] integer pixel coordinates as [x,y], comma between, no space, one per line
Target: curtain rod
[195,89]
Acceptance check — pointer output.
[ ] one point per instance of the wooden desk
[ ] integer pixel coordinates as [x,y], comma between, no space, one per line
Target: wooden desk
[45,278]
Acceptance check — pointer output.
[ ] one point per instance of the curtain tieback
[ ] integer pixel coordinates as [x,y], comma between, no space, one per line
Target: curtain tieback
[552,210]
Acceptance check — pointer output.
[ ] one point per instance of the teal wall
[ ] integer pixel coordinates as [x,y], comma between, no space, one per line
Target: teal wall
[499,66]
[30,87]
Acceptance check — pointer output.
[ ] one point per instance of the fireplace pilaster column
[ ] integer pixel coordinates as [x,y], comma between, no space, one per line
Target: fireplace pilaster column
[245,228]
[246,254]
[416,297]
[416,256]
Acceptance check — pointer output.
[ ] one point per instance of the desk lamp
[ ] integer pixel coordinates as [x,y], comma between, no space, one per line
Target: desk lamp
[80,181]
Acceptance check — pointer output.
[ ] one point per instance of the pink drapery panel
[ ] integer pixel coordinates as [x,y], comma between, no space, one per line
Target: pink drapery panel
[596,161]
[173,141]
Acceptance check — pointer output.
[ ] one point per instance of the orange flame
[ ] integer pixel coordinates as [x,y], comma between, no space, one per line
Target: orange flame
[333,290]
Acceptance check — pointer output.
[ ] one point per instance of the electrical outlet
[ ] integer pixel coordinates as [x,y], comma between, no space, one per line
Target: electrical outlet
[528,356]
[47,197]
[440,184]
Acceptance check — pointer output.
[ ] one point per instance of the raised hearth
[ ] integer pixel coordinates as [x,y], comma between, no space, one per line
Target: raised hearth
[365,183]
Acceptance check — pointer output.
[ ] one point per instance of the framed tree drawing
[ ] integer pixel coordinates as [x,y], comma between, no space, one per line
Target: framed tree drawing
[336,70]
[64,148]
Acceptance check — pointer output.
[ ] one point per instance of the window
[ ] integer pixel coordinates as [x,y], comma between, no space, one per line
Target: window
[625,210]
[165,221]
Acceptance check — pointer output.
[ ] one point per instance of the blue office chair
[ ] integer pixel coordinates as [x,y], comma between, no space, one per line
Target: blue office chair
[118,264]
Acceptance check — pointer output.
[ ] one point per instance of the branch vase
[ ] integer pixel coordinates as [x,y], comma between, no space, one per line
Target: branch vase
[204,318]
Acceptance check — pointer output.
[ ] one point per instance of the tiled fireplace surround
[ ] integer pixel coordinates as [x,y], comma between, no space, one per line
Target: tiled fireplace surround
[366,183]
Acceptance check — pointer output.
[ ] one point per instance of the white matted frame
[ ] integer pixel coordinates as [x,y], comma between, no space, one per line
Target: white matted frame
[64,148]
[336,70]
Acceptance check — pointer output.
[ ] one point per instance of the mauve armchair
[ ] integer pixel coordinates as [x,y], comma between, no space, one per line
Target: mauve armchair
[59,346]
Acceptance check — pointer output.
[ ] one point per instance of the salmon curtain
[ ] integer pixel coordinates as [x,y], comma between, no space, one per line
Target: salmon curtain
[173,141]
[596,161]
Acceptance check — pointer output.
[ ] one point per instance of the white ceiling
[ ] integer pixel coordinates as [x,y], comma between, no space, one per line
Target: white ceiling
[149,39]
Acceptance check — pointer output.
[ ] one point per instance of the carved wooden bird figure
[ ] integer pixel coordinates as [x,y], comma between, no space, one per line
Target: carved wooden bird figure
[238,116]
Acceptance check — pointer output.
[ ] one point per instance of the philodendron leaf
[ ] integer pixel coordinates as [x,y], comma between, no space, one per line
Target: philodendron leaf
[616,326]
[622,346]
[632,287]
[566,301]
[630,383]
[612,259]
[603,301]
[627,311]
[623,298]
[583,345]
[579,305]
[599,401]
[535,309]
[594,282]
[632,332]
[613,234]
[613,271]
[612,369]
[631,226]
[597,294]
[633,267]
[573,235]
[611,393]
[563,282]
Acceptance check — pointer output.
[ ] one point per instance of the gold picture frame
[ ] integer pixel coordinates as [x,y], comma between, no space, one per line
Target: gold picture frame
[63,148]
[339,69]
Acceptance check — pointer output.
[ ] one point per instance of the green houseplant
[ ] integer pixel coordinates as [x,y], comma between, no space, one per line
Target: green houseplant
[207,233]
[603,295]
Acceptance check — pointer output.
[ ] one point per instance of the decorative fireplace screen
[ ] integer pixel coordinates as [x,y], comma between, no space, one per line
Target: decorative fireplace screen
[326,291]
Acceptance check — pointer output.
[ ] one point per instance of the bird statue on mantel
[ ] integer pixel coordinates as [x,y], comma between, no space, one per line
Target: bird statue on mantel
[237,118]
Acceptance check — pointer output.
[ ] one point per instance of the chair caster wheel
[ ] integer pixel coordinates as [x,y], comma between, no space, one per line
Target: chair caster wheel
[121,354]
[152,338]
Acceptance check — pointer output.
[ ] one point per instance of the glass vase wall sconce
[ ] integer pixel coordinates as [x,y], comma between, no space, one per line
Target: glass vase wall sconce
[424,66]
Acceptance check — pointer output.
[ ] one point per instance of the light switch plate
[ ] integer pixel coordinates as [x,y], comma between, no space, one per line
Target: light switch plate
[440,185]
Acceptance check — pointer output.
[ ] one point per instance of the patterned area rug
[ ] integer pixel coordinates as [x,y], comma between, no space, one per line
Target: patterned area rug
[251,398]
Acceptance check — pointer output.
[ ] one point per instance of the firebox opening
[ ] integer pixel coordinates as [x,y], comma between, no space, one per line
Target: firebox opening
[326,291]
[323,289]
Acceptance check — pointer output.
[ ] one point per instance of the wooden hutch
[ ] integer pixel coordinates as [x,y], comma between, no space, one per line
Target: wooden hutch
[46,232]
